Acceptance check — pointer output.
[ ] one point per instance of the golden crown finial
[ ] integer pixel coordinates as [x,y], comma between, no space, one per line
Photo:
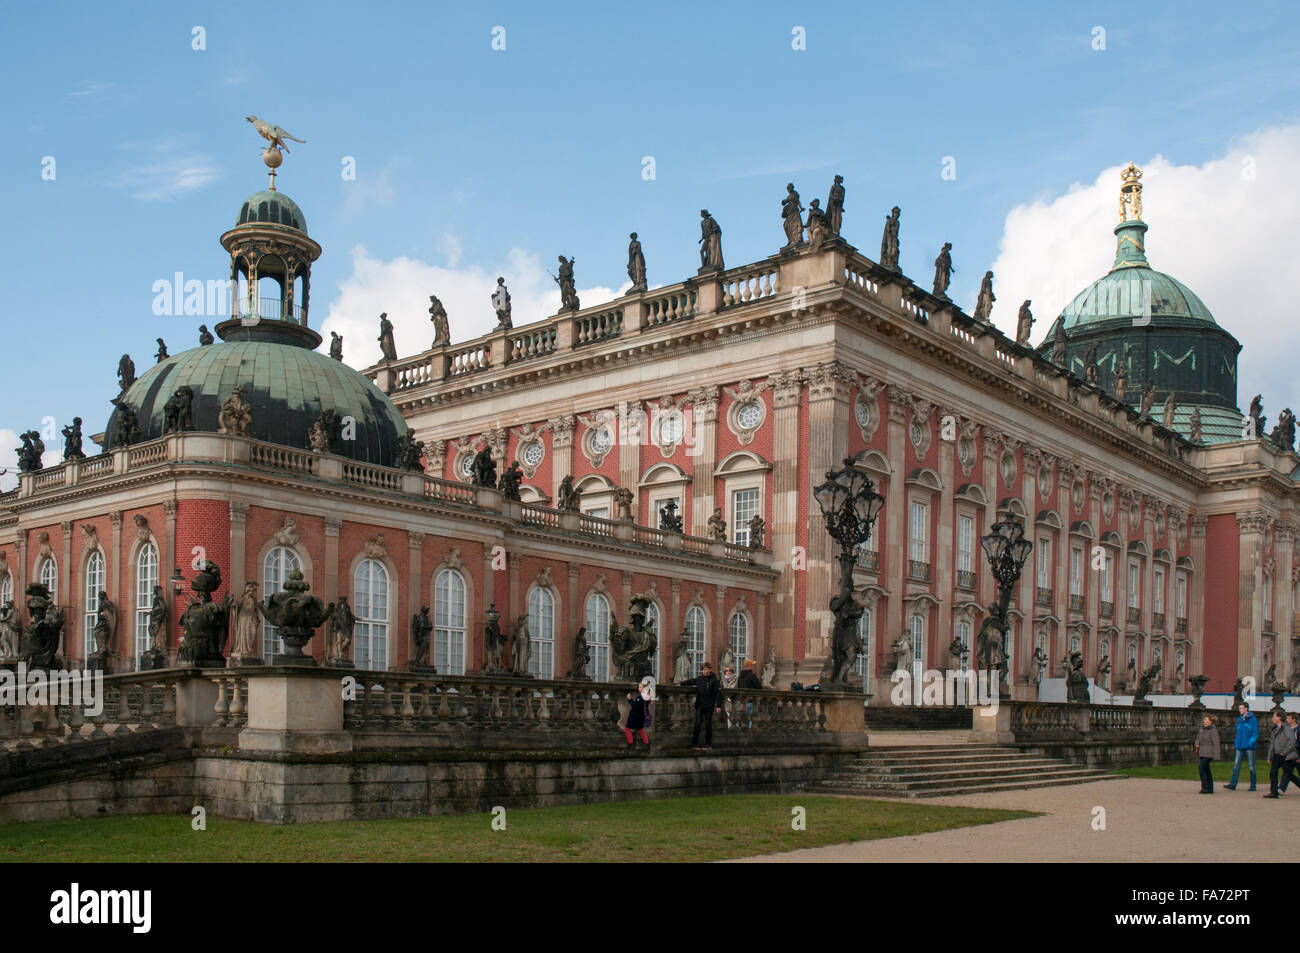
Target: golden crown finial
[1130,194]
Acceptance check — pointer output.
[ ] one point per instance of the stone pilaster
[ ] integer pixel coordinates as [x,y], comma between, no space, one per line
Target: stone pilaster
[238,545]
[115,571]
[414,588]
[169,566]
[332,527]
[828,428]
[561,450]
[67,596]
[622,611]
[783,521]
[703,453]
[629,436]
[1284,552]
[1196,526]
[578,618]
[720,626]
[1093,573]
[675,612]
[943,559]
[1250,615]
[514,563]
[20,570]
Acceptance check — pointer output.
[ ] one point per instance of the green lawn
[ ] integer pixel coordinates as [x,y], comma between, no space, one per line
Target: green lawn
[1219,770]
[681,829]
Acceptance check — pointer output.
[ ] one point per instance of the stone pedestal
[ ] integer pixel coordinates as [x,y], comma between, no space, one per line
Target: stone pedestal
[298,710]
[845,718]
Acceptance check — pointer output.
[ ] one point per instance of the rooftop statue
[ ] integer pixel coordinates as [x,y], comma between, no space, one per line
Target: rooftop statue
[1148,397]
[943,271]
[501,305]
[1024,323]
[323,435]
[162,354]
[510,481]
[1283,435]
[1121,379]
[710,243]
[409,451]
[792,216]
[72,441]
[336,345]
[273,133]
[568,498]
[386,345]
[984,304]
[1194,426]
[1058,344]
[438,315]
[1090,370]
[1167,417]
[178,411]
[235,414]
[30,453]
[717,525]
[205,336]
[128,424]
[125,372]
[568,296]
[1256,414]
[669,518]
[484,469]
[635,265]
[835,206]
[757,529]
[889,242]
[818,229]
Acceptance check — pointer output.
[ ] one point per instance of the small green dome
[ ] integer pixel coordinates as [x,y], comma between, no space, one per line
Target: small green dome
[287,387]
[272,207]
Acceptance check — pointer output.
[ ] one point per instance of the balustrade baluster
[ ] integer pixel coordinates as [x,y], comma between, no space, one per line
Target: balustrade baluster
[238,711]
[222,706]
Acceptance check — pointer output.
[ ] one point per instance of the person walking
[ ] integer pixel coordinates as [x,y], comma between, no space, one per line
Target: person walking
[638,715]
[1207,749]
[1244,744]
[1293,767]
[1281,750]
[708,699]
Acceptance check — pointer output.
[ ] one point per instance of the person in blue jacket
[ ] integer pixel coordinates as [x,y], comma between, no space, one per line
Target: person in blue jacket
[1246,742]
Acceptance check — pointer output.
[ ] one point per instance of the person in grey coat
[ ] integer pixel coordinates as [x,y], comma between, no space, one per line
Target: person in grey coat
[1208,749]
[1281,755]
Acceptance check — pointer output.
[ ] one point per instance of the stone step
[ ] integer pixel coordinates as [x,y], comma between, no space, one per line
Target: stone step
[825,788]
[956,776]
[937,751]
[949,767]
[940,760]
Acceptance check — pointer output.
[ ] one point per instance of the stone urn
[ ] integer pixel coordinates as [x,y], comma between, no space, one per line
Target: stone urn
[1198,689]
[297,615]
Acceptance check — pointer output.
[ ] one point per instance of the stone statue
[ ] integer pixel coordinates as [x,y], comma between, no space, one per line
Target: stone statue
[1256,414]
[1091,371]
[635,265]
[757,530]
[511,478]
[421,633]
[522,647]
[438,315]
[1121,379]
[323,436]
[567,498]
[1145,684]
[717,525]
[1148,397]
[1076,683]
[984,304]
[339,634]
[10,631]
[125,373]
[581,656]
[1040,664]
[204,622]
[681,661]
[710,243]
[1058,345]
[1238,690]
[494,643]
[72,441]
[40,646]
[835,206]
[889,241]
[1024,323]
[792,216]
[205,336]
[956,655]
[30,453]
[943,271]
[818,229]
[623,503]
[272,134]
[484,469]
[408,451]
[336,346]
[386,345]
[669,518]
[105,629]
[297,615]
[128,425]
[156,656]
[161,354]
[1167,417]
[177,412]
[1180,673]
[1283,435]
[631,647]
[1103,672]
[568,295]
[903,653]
[235,414]
[769,667]
[1270,674]
[725,661]
[501,305]
[248,629]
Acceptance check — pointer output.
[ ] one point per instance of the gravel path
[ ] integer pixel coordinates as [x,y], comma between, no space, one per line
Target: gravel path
[1147,820]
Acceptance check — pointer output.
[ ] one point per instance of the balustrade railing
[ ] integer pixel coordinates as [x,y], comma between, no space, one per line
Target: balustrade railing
[535,515]
[751,286]
[602,326]
[468,360]
[128,704]
[152,452]
[858,278]
[596,525]
[676,306]
[54,476]
[282,458]
[413,374]
[528,343]
[918,571]
[93,467]
[383,478]
[1076,603]
[448,491]
[965,580]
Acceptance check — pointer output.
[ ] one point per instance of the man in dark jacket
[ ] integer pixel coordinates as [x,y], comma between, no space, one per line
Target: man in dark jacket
[1245,742]
[708,699]
[1281,750]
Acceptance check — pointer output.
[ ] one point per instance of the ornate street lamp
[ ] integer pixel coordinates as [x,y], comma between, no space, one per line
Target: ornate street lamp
[849,504]
[1007,550]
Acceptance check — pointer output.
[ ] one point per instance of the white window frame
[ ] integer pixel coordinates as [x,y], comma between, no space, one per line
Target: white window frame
[597,613]
[652,617]
[1157,592]
[740,525]
[48,574]
[697,638]
[7,588]
[1076,571]
[965,543]
[1181,595]
[916,632]
[146,577]
[450,625]
[918,545]
[1108,578]
[738,637]
[862,663]
[1134,584]
[278,562]
[541,631]
[95,576]
[370,635]
[1043,576]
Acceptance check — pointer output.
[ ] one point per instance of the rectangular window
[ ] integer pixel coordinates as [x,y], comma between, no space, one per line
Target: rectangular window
[1181,586]
[965,543]
[659,506]
[600,512]
[1076,572]
[1044,563]
[744,507]
[1108,579]
[918,535]
[1158,593]
[1133,586]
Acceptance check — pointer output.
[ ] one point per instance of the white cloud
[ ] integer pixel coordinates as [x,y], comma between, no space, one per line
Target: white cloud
[168,177]
[449,245]
[90,88]
[401,288]
[1229,237]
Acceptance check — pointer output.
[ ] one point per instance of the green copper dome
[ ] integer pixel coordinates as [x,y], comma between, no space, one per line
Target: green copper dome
[287,386]
[272,207]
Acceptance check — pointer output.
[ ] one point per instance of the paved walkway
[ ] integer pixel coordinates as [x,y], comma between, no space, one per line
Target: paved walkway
[1146,820]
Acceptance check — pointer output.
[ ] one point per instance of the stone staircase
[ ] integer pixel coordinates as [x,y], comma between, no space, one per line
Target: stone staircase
[947,770]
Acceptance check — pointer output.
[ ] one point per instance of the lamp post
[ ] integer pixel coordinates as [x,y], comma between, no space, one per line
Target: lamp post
[1007,550]
[849,504]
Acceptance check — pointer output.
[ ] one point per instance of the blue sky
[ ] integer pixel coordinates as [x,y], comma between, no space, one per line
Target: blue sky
[540,146]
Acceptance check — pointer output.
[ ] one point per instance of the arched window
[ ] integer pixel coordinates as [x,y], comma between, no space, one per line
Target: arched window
[94,586]
[7,588]
[738,638]
[963,636]
[598,637]
[541,627]
[449,622]
[48,575]
[916,628]
[652,619]
[862,667]
[696,638]
[370,601]
[277,565]
[146,577]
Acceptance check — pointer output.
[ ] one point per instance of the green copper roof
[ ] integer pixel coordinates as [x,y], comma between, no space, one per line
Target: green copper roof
[287,388]
[1133,290]
[272,207]
[1218,424]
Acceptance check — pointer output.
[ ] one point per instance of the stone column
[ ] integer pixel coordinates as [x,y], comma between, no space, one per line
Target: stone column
[66,575]
[1196,525]
[115,569]
[703,453]
[331,582]
[169,566]
[577,615]
[829,386]
[20,570]
[675,613]
[723,630]
[238,545]
[943,558]
[561,450]
[1061,596]
[893,555]
[1093,576]
[514,562]
[1283,551]
[415,588]
[783,520]
[1251,526]
[629,435]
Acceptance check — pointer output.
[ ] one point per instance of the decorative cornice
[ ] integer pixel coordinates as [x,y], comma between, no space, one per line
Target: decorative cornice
[786,388]
[830,379]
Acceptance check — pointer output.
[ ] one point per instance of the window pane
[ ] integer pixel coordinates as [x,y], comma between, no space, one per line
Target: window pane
[94,585]
[146,577]
[696,643]
[370,598]
[738,638]
[744,506]
[449,627]
[541,628]
[277,565]
[598,637]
